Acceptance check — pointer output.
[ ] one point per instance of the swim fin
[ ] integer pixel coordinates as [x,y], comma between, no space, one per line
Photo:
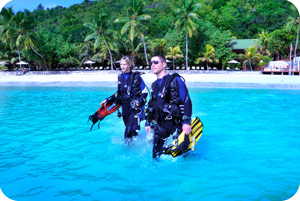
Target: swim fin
[184,142]
[104,110]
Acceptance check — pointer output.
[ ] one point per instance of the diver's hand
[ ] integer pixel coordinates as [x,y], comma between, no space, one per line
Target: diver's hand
[149,136]
[187,128]
[148,128]
[103,102]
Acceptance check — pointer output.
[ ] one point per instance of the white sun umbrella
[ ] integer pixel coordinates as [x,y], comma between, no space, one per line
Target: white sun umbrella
[233,62]
[168,61]
[89,62]
[2,63]
[22,63]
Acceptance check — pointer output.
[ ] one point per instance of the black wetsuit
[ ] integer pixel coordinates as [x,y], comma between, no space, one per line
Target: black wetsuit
[131,87]
[170,107]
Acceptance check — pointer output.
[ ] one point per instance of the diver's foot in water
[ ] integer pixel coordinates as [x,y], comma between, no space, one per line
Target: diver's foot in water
[186,154]
[128,141]
[156,156]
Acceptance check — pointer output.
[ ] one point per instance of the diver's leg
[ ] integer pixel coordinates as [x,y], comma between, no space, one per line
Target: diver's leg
[160,136]
[130,130]
[125,113]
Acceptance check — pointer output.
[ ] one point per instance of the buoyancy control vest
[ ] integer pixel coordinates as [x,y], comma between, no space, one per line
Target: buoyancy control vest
[129,89]
[165,103]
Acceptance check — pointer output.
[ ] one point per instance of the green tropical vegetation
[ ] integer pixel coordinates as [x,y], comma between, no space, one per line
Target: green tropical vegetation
[174,53]
[135,23]
[207,56]
[104,31]
[250,57]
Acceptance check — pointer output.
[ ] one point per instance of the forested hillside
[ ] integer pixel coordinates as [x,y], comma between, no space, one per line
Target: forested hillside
[105,30]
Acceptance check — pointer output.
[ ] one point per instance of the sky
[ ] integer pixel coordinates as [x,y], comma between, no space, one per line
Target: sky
[20,5]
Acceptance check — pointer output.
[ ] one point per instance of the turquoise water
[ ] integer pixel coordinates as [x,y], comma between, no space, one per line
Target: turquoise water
[250,148]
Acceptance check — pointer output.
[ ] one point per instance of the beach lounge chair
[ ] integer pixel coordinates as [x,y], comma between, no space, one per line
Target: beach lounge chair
[177,67]
[236,68]
[183,68]
[215,68]
[197,67]
[202,68]
[227,68]
[193,68]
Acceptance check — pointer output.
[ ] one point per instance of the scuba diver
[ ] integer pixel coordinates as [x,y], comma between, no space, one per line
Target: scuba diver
[170,107]
[132,96]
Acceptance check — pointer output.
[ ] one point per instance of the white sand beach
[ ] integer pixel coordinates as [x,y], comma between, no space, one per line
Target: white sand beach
[231,80]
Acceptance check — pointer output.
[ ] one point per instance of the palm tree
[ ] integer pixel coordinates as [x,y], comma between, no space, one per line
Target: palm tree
[208,55]
[135,22]
[186,21]
[250,56]
[227,58]
[158,46]
[101,34]
[17,32]
[174,53]
[263,41]
[26,35]
[6,26]
[104,54]
[291,22]
[85,52]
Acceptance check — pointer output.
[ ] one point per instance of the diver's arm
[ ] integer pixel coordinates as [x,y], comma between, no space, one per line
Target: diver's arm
[113,97]
[185,97]
[150,110]
[149,113]
[143,91]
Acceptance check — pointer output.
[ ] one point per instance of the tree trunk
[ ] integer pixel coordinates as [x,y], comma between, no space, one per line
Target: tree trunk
[186,51]
[19,55]
[145,51]
[111,61]
[173,63]
[295,50]
[20,58]
[89,50]
[290,66]
[40,56]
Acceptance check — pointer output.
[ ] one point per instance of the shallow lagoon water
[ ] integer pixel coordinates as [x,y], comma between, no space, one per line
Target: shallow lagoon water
[250,148]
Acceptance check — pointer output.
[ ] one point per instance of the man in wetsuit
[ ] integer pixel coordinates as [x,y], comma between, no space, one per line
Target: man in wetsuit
[131,95]
[170,106]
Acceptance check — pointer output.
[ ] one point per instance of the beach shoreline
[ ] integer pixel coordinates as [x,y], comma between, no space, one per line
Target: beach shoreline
[109,78]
